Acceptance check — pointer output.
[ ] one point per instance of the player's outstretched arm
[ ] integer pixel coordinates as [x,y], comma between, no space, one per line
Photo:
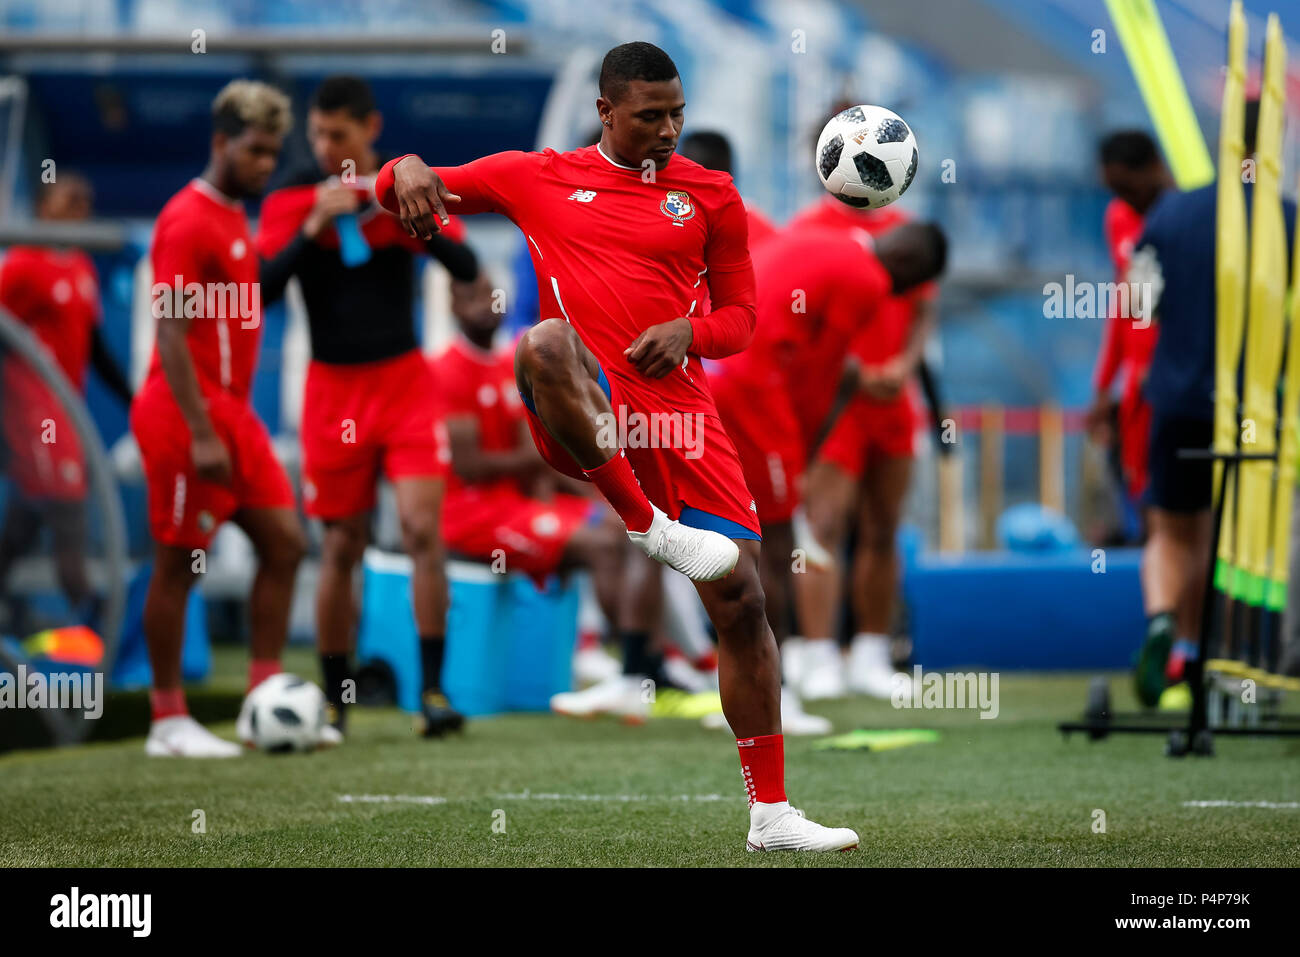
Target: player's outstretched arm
[416,193]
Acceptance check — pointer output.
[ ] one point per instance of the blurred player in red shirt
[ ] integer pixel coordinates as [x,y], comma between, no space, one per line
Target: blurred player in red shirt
[1135,174]
[55,294]
[861,472]
[818,290]
[501,499]
[712,150]
[207,457]
[369,406]
[623,236]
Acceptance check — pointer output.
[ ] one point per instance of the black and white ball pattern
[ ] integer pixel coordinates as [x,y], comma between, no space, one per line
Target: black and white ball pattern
[867,156]
[285,713]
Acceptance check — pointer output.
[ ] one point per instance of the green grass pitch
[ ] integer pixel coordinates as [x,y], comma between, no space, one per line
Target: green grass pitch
[537,790]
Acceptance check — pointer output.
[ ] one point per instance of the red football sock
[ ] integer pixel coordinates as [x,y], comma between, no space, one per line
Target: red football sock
[617,482]
[259,669]
[167,703]
[762,762]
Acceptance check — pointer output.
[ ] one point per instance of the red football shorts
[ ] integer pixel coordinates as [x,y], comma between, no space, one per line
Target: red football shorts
[359,421]
[761,423]
[529,533]
[45,461]
[867,431]
[681,459]
[183,510]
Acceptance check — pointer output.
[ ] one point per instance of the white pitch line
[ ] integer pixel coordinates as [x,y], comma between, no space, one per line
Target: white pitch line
[622,798]
[1275,805]
[391,799]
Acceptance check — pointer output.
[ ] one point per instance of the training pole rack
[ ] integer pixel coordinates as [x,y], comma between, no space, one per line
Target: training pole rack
[1193,732]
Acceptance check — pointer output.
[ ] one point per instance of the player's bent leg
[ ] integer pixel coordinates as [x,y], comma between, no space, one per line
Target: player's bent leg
[563,386]
[749,675]
[342,546]
[419,508]
[829,497]
[559,379]
[749,671]
[875,575]
[280,544]
[172,732]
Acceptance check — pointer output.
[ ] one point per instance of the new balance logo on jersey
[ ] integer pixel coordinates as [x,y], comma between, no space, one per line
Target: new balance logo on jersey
[583,195]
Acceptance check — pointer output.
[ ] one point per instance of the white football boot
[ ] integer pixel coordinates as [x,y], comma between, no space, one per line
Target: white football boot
[870,670]
[821,670]
[594,665]
[700,555]
[329,736]
[627,697]
[780,827]
[180,736]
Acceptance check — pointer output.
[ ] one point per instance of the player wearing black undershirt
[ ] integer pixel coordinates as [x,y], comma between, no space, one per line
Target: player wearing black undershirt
[368,407]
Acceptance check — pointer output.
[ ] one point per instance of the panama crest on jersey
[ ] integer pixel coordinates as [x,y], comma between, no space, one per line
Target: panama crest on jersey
[677,205]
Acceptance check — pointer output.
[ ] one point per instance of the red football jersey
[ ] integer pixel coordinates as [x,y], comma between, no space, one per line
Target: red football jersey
[55,293]
[1123,341]
[817,289]
[480,384]
[202,237]
[888,334]
[614,253]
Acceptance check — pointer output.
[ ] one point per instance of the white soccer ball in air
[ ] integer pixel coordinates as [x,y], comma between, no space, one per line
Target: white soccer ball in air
[284,713]
[866,156]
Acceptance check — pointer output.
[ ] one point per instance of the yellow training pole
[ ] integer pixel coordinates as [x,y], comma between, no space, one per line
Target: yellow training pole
[1230,278]
[1265,325]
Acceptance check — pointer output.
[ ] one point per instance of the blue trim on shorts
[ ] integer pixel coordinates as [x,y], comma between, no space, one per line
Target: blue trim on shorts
[696,518]
[601,380]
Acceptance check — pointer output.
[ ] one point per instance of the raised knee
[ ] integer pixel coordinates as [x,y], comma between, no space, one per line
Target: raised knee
[546,346]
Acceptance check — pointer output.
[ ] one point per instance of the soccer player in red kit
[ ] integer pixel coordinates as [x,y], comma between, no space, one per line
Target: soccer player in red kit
[207,457]
[501,499]
[1133,171]
[818,290]
[55,293]
[369,406]
[861,472]
[623,234]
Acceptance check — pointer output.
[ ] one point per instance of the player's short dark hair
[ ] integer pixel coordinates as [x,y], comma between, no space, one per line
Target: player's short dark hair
[633,61]
[709,148]
[344,92]
[1132,149]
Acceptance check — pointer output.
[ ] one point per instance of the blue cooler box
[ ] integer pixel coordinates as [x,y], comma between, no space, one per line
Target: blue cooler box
[509,645]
